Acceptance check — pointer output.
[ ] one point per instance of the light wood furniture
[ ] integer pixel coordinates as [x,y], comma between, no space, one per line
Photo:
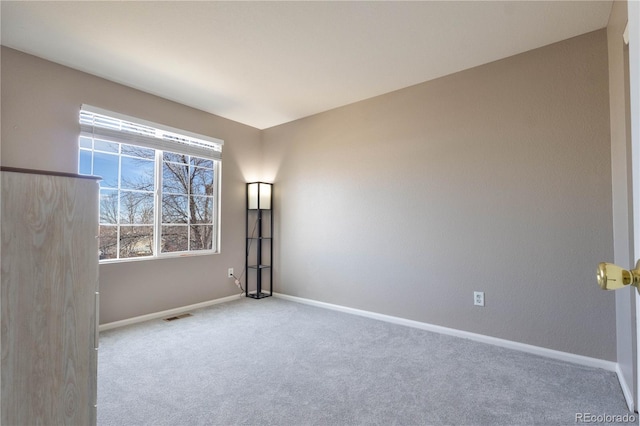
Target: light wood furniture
[48,298]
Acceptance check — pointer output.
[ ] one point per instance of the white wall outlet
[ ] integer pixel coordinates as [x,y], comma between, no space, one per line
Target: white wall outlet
[230,273]
[478,298]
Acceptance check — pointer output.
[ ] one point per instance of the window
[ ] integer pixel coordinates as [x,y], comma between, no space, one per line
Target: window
[159,189]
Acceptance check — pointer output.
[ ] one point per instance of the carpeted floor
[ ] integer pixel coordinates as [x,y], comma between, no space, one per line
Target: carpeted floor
[276,362]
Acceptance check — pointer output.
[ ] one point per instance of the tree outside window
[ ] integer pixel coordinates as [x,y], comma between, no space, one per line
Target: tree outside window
[137,222]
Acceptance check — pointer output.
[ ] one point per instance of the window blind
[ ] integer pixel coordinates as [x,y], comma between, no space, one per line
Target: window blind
[111,126]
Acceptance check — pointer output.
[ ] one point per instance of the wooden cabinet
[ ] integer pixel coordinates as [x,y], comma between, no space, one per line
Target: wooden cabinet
[48,298]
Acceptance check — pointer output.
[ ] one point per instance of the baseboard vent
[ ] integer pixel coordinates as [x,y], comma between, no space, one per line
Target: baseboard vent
[177,317]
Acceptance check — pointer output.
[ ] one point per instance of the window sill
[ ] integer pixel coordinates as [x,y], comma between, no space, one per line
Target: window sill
[159,257]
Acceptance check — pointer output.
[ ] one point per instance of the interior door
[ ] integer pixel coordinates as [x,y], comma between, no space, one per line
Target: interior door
[634,85]
[611,277]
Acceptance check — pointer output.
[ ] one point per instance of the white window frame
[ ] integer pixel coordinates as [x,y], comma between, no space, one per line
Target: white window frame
[101,124]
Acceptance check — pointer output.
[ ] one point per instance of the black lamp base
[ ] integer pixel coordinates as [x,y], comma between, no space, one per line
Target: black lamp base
[258,295]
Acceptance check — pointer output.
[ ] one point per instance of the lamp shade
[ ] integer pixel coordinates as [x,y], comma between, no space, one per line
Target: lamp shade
[259,195]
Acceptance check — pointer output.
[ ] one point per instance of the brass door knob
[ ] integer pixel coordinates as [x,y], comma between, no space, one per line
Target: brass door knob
[613,277]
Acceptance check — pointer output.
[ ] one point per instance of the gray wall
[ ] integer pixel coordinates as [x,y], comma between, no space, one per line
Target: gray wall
[621,185]
[40,104]
[496,179]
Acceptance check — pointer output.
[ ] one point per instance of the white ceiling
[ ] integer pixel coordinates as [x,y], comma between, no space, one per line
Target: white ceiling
[267,63]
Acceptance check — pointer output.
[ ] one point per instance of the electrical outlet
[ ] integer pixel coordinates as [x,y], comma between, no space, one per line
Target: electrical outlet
[230,273]
[478,298]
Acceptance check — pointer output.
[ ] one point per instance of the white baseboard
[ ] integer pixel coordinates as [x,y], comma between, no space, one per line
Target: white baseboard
[626,391]
[167,313]
[536,350]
